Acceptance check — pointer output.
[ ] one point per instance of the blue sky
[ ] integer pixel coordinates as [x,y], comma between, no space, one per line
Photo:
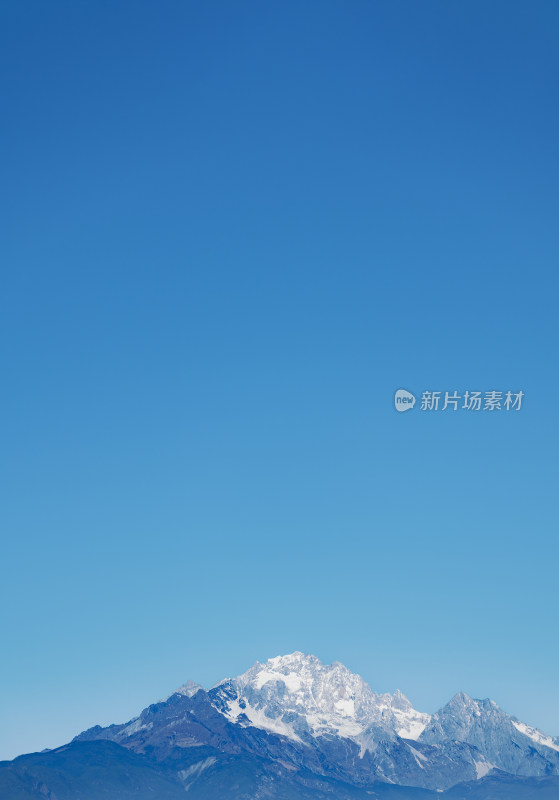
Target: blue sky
[231,231]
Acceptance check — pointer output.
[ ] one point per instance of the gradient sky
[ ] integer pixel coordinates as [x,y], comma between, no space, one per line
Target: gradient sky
[230,231]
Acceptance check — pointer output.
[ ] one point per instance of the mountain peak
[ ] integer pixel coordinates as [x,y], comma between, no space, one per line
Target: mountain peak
[297,658]
[300,673]
[298,696]
[462,699]
[189,689]
[468,704]
[399,700]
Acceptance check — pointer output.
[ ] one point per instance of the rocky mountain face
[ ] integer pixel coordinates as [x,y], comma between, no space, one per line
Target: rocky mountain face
[295,728]
[504,742]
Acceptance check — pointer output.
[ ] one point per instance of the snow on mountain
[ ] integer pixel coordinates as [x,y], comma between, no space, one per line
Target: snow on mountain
[299,697]
[505,742]
[411,723]
[483,767]
[189,689]
[536,735]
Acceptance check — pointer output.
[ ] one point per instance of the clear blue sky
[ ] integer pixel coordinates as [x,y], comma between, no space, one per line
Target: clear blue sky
[230,231]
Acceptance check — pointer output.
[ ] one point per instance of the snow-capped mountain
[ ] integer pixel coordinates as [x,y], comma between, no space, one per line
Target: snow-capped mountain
[299,697]
[307,718]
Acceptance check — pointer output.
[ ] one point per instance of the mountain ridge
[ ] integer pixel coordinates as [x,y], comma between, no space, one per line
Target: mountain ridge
[294,728]
[328,719]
